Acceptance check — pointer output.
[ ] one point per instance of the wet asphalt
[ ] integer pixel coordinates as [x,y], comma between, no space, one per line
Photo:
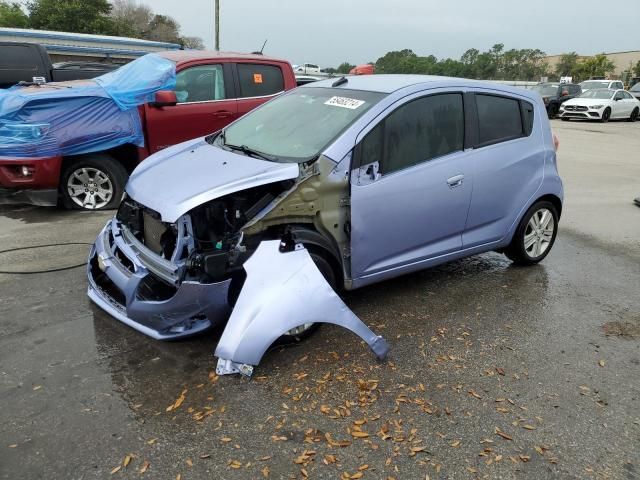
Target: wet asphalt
[494,372]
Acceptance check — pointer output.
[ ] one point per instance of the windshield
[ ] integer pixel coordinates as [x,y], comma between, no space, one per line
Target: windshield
[592,84]
[635,88]
[603,94]
[545,90]
[296,127]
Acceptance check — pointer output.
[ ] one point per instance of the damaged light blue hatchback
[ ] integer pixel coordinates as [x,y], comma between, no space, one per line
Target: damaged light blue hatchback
[337,184]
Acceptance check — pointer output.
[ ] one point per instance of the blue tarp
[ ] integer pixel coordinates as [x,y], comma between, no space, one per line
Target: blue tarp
[71,118]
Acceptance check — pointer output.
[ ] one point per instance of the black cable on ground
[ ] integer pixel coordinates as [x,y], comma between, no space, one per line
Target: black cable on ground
[33,272]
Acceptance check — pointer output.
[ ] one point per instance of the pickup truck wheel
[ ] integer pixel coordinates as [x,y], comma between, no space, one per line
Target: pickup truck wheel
[93,182]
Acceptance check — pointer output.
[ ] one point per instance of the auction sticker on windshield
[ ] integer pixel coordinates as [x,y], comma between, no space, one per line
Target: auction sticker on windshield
[344,102]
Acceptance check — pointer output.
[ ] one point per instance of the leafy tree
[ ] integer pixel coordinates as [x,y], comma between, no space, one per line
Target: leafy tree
[344,67]
[636,69]
[192,42]
[568,65]
[596,66]
[80,16]
[12,15]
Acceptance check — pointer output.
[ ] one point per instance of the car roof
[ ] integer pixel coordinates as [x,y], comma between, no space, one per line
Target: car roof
[190,55]
[389,83]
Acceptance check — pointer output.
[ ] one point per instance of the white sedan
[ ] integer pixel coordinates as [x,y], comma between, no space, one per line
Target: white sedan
[601,104]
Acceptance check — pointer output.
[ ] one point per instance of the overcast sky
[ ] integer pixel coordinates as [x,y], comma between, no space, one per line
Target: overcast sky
[329,32]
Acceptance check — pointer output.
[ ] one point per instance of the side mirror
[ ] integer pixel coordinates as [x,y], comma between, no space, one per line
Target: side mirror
[165,98]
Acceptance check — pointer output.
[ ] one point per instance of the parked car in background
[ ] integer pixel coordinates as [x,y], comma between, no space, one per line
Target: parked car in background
[307,68]
[366,69]
[595,84]
[635,90]
[554,94]
[29,62]
[603,105]
[212,90]
[339,183]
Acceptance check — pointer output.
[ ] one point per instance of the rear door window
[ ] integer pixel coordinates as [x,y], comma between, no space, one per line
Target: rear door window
[203,83]
[499,119]
[416,132]
[259,80]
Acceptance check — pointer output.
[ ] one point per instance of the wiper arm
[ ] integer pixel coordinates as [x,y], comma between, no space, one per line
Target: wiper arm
[250,152]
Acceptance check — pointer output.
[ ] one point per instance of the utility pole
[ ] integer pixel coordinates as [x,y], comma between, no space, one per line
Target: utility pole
[217,26]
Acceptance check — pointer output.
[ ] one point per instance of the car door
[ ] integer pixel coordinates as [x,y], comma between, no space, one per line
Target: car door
[206,103]
[256,84]
[410,186]
[619,107]
[508,162]
[629,101]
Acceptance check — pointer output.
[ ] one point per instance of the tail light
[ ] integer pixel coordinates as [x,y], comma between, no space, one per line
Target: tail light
[556,142]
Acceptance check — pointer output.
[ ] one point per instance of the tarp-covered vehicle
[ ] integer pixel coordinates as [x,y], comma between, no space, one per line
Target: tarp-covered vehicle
[75,143]
[337,184]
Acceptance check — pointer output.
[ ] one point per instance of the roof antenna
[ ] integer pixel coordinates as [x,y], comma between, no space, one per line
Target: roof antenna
[341,81]
[262,49]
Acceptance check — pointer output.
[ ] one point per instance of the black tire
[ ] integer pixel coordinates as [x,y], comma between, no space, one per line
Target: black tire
[329,274]
[108,168]
[634,115]
[606,115]
[516,251]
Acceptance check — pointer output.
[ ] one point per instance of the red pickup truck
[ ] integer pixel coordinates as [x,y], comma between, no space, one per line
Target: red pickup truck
[212,90]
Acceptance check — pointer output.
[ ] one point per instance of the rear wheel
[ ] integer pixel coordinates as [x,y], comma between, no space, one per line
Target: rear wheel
[535,234]
[328,272]
[606,115]
[634,115]
[94,182]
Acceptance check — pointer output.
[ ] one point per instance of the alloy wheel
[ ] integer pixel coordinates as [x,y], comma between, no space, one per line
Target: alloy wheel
[539,233]
[90,188]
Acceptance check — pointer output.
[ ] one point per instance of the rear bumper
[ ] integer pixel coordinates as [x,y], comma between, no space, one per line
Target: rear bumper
[38,187]
[117,278]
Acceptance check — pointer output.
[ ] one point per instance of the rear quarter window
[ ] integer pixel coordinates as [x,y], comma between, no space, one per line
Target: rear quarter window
[259,80]
[499,119]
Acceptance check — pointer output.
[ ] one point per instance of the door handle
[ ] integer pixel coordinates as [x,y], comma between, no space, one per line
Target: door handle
[455,181]
[222,114]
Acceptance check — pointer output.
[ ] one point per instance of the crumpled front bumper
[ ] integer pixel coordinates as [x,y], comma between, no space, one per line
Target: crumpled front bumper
[116,274]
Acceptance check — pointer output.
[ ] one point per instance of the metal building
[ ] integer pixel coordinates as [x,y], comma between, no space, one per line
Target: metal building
[64,46]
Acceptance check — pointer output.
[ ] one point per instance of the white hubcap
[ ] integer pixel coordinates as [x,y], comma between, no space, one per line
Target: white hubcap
[539,233]
[90,188]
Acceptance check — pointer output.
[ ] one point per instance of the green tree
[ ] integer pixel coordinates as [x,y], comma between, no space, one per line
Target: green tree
[636,69]
[568,65]
[12,15]
[344,67]
[596,66]
[80,16]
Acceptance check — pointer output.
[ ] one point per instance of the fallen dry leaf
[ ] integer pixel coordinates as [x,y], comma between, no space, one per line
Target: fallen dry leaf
[189,462]
[503,435]
[37,387]
[601,363]
[179,476]
[358,434]
[13,445]
[475,394]
[225,439]
[144,467]
[234,464]
[127,460]
[116,469]
[456,444]
[265,472]
[329,459]
[528,427]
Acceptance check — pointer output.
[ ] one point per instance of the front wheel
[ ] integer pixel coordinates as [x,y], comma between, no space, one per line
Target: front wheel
[606,115]
[634,115]
[535,234]
[94,182]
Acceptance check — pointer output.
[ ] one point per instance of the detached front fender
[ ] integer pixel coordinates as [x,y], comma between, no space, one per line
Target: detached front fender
[283,290]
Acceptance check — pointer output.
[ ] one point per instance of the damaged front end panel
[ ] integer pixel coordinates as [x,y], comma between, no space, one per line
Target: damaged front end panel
[283,290]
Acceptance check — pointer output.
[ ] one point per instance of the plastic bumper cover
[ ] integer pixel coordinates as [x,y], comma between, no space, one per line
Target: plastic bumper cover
[115,287]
